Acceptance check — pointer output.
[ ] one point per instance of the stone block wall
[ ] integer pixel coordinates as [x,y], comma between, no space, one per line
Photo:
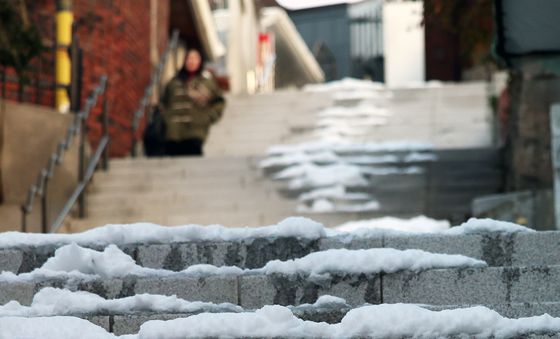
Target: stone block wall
[533,90]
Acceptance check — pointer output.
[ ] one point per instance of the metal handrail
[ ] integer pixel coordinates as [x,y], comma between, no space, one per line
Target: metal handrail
[79,190]
[77,128]
[154,82]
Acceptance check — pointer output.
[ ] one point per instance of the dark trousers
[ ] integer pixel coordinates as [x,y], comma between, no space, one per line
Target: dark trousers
[184,147]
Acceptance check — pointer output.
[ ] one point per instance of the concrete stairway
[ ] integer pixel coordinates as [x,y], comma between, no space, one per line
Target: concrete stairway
[167,191]
[226,186]
[251,124]
[520,280]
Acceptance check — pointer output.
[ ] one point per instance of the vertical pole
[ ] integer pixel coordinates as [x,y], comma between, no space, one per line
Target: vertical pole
[23,219]
[64,19]
[81,166]
[133,150]
[74,58]
[44,207]
[555,146]
[105,131]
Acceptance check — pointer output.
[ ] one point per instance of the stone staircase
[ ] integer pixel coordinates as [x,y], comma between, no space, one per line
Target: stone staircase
[227,186]
[166,191]
[520,279]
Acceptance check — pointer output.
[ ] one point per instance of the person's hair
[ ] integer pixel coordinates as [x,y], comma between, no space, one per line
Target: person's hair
[183,73]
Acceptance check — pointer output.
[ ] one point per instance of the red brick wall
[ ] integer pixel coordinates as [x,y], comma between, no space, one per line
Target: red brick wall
[115,38]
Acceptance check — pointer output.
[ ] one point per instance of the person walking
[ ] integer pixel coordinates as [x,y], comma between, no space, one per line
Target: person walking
[191,103]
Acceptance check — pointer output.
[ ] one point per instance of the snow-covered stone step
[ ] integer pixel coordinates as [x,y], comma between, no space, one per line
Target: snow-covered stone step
[100,199]
[178,214]
[126,315]
[467,286]
[187,206]
[121,324]
[188,163]
[378,275]
[208,216]
[183,194]
[175,174]
[279,322]
[178,185]
[175,248]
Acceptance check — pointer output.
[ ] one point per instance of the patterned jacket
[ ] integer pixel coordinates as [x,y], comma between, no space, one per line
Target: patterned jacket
[191,106]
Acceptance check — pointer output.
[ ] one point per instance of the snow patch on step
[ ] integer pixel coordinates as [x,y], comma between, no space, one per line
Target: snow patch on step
[368,261]
[51,328]
[341,147]
[297,227]
[375,321]
[421,225]
[76,263]
[474,226]
[60,302]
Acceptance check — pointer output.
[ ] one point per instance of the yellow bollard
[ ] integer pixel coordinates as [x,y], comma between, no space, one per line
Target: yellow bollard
[64,20]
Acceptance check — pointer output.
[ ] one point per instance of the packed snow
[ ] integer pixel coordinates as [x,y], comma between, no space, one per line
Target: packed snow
[320,200]
[327,300]
[474,225]
[351,147]
[362,110]
[323,205]
[73,262]
[311,176]
[390,226]
[375,260]
[323,165]
[51,328]
[346,84]
[76,263]
[333,192]
[375,321]
[420,224]
[149,233]
[59,302]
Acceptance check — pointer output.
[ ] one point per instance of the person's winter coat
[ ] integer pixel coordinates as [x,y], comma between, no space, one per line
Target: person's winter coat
[191,105]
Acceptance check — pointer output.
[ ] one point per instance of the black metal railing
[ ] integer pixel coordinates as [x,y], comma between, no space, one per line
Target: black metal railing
[153,85]
[77,128]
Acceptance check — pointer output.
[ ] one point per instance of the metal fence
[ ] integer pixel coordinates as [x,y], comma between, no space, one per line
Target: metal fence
[366,47]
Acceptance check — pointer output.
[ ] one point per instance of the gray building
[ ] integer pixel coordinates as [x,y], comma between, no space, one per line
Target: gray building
[345,36]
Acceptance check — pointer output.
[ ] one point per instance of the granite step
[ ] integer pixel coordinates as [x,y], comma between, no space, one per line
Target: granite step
[497,249]
[253,290]
[130,323]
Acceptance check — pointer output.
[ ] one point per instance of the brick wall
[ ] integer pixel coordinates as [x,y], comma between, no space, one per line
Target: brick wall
[115,38]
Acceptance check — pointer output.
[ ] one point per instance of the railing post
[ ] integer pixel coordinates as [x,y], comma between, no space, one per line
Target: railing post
[81,165]
[23,219]
[555,150]
[44,208]
[133,150]
[105,131]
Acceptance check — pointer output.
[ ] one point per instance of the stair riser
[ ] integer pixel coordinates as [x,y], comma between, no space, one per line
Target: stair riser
[495,285]
[517,250]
